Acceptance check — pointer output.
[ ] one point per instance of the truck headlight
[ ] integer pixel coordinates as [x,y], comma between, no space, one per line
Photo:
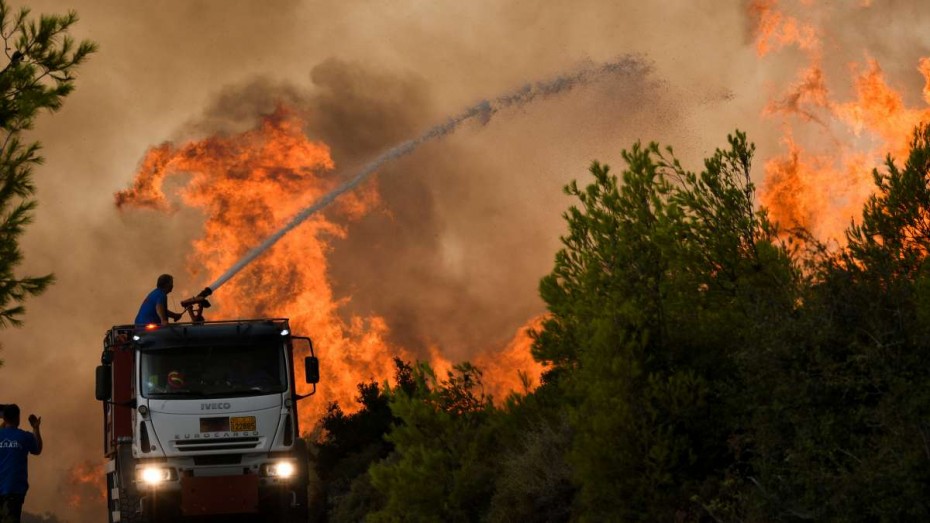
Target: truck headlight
[154,475]
[281,469]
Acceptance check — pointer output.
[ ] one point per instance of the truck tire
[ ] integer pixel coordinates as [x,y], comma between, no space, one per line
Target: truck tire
[129,502]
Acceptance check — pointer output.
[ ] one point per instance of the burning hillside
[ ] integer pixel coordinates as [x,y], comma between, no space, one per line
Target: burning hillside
[833,140]
[248,185]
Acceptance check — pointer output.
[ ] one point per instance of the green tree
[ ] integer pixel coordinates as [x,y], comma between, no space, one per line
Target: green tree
[666,279]
[443,466]
[350,443]
[40,73]
[533,480]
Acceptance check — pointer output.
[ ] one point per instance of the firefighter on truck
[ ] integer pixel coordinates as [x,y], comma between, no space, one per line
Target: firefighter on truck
[200,417]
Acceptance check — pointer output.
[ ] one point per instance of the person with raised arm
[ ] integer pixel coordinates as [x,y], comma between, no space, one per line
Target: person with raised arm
[15,447]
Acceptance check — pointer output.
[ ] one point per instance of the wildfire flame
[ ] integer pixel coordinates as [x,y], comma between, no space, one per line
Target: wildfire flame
[246,186]
[510,370]
[822,184]
[775,29]
[513,369]
[86,484]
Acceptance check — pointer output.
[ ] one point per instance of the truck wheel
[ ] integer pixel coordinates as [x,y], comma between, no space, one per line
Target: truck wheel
[129,500]
[129,506]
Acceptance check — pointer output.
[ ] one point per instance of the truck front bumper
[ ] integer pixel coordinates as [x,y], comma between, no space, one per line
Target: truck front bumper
[222,495]
[202,496]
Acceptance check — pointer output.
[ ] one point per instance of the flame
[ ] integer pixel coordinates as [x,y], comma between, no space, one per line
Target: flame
[86,484]
[247,186]
[513,369]
[880,109]
[509,370]
[821,182]
[775,30]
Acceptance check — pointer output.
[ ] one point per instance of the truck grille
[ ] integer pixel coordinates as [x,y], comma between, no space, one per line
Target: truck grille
[216,444]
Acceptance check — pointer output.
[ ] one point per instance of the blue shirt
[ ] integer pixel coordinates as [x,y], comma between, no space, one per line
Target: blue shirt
[15,446]
[147,312]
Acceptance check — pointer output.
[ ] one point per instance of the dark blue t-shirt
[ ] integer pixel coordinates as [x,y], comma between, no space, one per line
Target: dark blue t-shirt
[147,312]
[15,446]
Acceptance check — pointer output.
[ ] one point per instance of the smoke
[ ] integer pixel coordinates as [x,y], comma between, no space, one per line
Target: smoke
[482,111]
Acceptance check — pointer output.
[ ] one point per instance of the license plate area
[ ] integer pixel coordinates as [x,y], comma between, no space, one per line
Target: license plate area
[242,424]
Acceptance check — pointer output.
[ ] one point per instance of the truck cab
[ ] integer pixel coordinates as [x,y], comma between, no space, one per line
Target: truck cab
[200,419]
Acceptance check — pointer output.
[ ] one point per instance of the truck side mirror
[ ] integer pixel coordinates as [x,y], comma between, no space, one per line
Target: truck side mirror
[312,369]
[104,383]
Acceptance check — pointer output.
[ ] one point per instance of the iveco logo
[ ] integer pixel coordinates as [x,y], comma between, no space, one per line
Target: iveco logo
[215,406]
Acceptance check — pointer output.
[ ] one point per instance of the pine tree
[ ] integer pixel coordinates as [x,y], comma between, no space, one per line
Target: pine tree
[42,59]
[666,279]
[445,444]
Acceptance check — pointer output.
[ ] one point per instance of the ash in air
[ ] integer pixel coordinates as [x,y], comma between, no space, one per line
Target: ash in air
[625,67]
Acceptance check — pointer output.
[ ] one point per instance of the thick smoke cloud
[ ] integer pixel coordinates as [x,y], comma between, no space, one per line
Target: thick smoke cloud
[445,262]
[393,263]
[433,288]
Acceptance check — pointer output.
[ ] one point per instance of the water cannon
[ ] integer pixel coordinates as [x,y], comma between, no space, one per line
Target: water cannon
[194,306]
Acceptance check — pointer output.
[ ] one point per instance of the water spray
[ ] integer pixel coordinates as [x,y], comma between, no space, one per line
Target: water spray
[482,111]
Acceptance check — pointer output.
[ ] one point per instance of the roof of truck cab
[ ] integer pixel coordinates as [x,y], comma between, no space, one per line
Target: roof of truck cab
[237,332]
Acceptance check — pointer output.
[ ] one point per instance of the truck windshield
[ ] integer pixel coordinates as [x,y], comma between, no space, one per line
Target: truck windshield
[202,372]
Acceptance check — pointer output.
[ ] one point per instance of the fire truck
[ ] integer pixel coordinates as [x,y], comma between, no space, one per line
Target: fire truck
[200,419]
